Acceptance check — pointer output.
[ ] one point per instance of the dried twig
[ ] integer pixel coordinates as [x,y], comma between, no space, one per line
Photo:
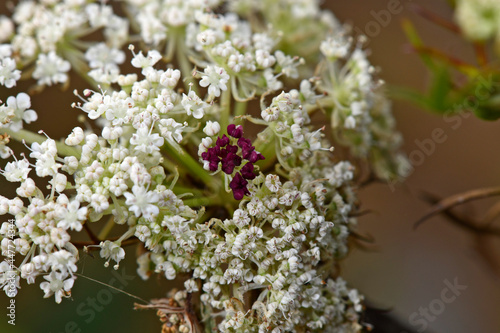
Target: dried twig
[447,203]
[167,307]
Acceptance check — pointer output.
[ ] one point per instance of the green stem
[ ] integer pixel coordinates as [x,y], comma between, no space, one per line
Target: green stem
[202,201]
[106,229]
[75,57]
[167,164]
[240,108]
[194,167]
[30,137]
[265,144]
[225,109]
[178,190]
[184,63]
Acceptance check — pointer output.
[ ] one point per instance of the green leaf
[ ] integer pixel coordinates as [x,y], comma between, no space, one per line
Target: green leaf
[440,89]
[489,110]
[408,94]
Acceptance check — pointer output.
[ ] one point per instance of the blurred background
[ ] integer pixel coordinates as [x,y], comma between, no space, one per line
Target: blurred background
[405,271]
[408,268]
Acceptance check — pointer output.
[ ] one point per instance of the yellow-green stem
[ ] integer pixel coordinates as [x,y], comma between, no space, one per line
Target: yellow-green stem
[30,137]
[225,108]
[194,167]
[265,144]
[106,229]
[202,201]
[184,63]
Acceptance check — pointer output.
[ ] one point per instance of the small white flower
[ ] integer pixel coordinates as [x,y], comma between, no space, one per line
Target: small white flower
[350,122]
[297,133]
[6,28]
[170,77]
[358,108]
[142,232]
[99,202]
[8,72]
[273,183]
[141,61]
[76,137]
[193,105]
[215,78]
[51,69]
[72,216]
[264,59]
[207,37]
[270,114]
[17,171]
[171,130]
[335,47]
[9,279]
[145,141]
[191,286]
[478,19]
[204,145]
[29,272]
[57,284]
[169,269]
[241,218]
[212,128]
[62,261]
[111,251]
[59,182]
[101,56]
[112,133]
[59,237]
[142,202]
[27,188]
[15,111]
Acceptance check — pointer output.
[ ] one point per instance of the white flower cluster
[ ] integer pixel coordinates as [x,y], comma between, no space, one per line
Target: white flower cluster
[15,111]
[478,19]
[360,113]
[260,259]
[47,35]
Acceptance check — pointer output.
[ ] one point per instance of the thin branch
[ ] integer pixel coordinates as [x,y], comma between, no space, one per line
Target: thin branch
[81,245]
[89,232]
[461,221]
[436,19]
[454,200]
[481,54]
[367,239]
[361,213]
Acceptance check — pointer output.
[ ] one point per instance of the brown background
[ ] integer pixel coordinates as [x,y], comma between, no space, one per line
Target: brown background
[408,268]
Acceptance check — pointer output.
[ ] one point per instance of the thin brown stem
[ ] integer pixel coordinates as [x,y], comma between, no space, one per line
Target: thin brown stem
[481,54]
[436,19]
[463,221]
[91,234]
[81,245]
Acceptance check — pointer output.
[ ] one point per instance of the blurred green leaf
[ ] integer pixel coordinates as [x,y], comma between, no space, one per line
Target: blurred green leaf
[440,89]
[489,110]
[408,94]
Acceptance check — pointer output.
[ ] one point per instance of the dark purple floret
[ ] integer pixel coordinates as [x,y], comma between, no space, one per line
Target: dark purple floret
[235,131]
[247,151]
[211,155]
[243,143]
[247,171]
[230,156]
[254,157]
[232,149]
[239,186]
[213,165]
[222,141]
[230,162]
